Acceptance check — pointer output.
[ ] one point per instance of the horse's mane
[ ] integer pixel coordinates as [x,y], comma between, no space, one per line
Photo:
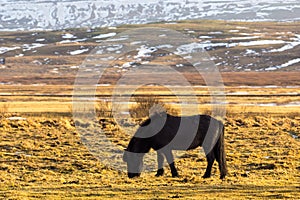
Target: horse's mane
[137,145]
[155,115]
[146,122]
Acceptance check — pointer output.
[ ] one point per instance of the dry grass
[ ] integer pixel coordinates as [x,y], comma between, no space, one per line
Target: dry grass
[44,156]
[46,159]
[53,99]
[3,110]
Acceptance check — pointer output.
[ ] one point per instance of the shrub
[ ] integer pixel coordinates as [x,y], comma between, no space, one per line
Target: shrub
[104,109]
[148,105]
[3,110]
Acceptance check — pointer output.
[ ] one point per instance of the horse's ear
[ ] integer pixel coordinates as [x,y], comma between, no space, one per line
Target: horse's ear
[146,122]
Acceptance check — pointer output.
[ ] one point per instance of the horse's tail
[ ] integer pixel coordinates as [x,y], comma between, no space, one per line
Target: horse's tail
[220,151]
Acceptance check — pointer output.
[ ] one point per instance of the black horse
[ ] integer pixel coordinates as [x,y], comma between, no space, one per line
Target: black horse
[165,133]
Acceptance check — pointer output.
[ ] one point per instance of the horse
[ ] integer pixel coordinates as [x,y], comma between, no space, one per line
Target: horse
[163,133]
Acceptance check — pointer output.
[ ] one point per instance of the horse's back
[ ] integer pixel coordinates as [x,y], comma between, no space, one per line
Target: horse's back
[183,133]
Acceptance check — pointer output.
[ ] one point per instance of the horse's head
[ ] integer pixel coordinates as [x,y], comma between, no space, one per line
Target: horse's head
[141,143]
[134,163]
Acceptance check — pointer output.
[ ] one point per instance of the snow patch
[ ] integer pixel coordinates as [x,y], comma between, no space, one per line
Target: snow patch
[261,42]
[287,64]
[7,49]
[63,14]
[145,51]
[251,52]
[68,36]
[234,31]
[72,41]
[28,47]
[244,38]
[205,37]
[288,46]
[40,40]
[77,52]
[102,36]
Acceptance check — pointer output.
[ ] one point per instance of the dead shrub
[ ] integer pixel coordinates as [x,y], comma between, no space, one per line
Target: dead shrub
[104,109]
[4,110]
[148,105]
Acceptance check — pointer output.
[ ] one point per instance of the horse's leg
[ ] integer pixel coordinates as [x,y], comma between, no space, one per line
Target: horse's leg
[220,154]
[160,162]
[170,160]
[210,157]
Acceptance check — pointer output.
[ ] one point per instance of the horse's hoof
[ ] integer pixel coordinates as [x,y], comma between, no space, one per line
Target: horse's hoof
[222,177]
[158,175]
[206,176]
[175,175]
[159,172]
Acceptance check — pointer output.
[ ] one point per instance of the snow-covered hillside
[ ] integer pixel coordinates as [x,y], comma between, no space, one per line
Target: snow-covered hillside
[61,14]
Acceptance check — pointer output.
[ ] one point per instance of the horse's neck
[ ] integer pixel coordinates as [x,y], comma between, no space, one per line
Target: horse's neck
[139,145]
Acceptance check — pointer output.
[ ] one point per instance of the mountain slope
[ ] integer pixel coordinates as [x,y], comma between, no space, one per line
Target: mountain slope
[51,14]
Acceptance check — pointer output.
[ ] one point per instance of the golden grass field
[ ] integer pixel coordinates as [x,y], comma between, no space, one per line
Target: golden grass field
[43,157]
[42,154]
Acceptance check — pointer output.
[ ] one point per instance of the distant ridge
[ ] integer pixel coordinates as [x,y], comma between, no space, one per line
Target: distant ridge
[62,14]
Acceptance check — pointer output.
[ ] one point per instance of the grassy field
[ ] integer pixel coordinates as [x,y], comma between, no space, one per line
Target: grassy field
[43,155]
[44,158]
